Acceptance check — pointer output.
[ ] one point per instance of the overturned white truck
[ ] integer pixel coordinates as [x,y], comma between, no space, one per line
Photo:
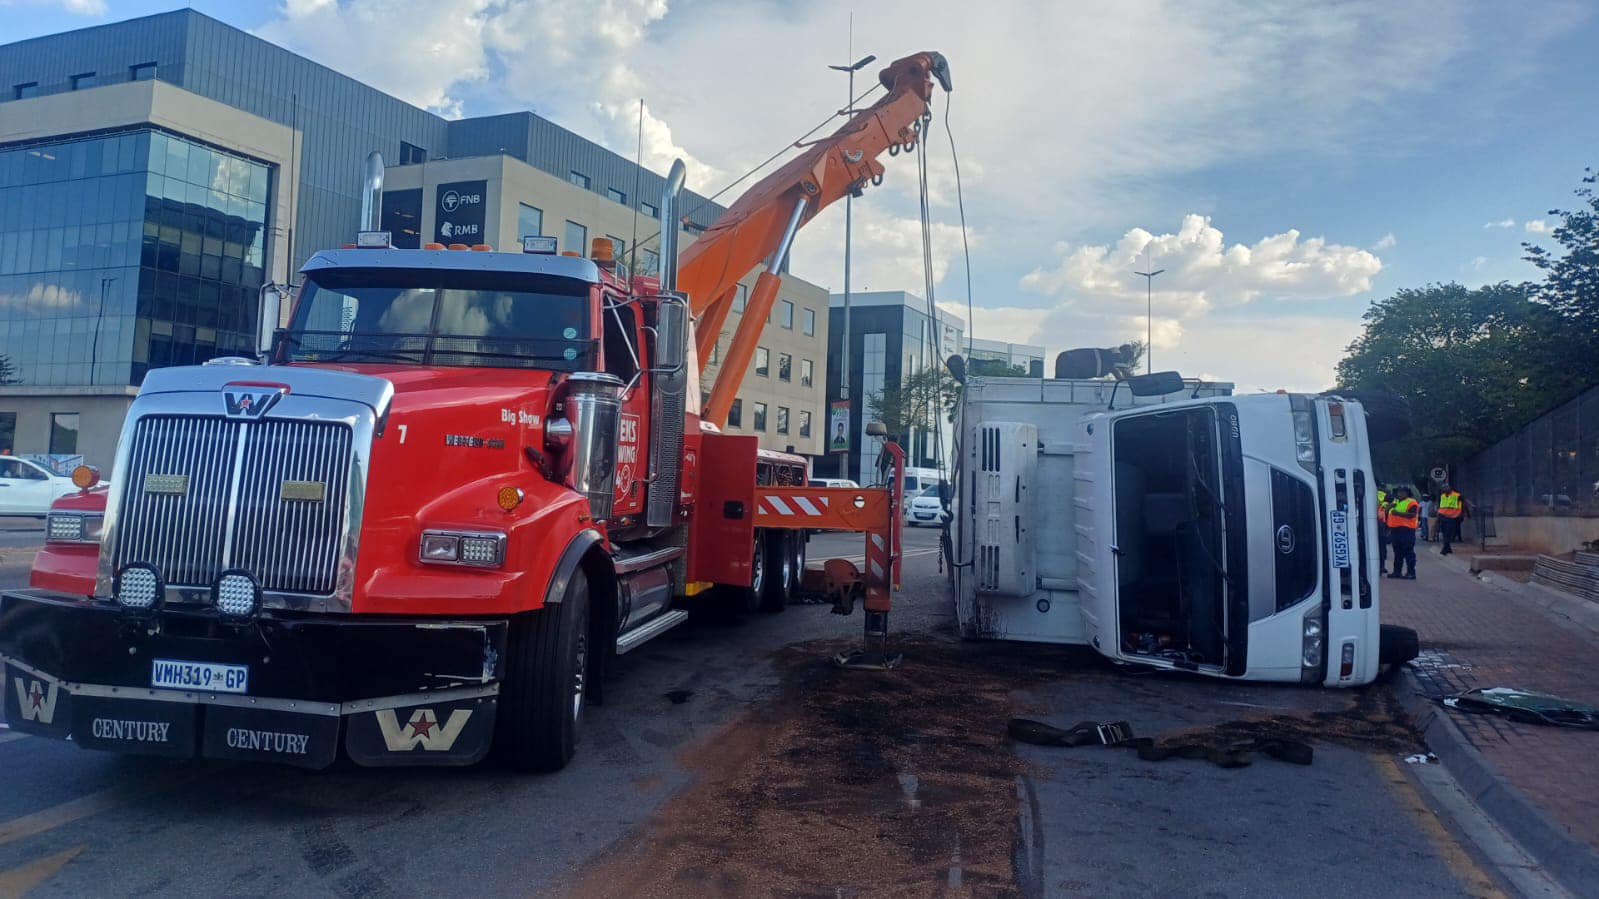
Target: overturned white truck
[1173,525]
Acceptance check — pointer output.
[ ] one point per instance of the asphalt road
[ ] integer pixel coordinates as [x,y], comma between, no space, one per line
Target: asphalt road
[782,775]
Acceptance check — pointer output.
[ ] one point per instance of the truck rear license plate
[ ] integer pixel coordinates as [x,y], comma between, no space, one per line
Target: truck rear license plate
[173,674]
[1340,538]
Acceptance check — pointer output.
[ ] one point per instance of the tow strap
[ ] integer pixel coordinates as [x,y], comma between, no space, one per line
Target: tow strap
[1232,754]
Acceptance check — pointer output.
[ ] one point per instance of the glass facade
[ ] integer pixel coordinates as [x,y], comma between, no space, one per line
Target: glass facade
[125,252]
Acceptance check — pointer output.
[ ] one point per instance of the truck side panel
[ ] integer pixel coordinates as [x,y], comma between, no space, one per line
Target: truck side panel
[722,531]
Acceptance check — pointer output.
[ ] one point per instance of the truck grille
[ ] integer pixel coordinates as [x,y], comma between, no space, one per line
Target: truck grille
[285,480]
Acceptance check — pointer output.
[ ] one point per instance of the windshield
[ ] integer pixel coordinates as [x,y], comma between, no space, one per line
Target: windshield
[433,317]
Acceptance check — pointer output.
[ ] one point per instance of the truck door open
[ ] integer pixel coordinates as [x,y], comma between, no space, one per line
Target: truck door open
[723,525]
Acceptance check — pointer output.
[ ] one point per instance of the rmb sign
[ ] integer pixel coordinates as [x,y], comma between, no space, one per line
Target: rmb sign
[458,213]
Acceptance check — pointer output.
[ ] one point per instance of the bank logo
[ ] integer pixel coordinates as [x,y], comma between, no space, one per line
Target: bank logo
[37,700]
[422,729]
[451,201]
[250,403]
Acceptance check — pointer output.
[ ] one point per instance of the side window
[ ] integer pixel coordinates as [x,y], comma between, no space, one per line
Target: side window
[621,329]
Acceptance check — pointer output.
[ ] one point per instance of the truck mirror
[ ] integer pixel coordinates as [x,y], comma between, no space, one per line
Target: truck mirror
[1159,383]
[876,429]
[271,309]
[671,332]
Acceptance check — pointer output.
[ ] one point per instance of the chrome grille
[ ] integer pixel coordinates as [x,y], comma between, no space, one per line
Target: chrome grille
[292,545]
[232,512]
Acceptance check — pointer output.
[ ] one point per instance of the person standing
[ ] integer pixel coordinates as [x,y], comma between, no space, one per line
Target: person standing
[1382,529]
[1451,509]
[1427,516]
[1403,517]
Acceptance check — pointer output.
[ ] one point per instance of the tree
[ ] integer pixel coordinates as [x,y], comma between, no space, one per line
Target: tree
[1472,364]
[911,404]
[1571,281]
[8,371]
[994,368]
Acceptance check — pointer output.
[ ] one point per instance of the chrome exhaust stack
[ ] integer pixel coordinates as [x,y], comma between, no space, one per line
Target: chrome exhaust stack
[372,193]
[669,375]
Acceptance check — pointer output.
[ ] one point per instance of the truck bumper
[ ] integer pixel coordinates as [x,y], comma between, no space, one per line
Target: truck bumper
[391,691]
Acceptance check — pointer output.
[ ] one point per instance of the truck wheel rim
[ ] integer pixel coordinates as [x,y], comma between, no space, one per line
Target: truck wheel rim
[758,571]
[579,672]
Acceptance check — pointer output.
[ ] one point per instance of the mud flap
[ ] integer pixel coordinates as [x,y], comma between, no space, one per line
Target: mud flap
[135,726]
[445,732]
[267,735]
[35,705]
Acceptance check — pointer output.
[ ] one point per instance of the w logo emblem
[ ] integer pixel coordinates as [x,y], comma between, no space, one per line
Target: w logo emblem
[250,403]
[423,729]
[36,700]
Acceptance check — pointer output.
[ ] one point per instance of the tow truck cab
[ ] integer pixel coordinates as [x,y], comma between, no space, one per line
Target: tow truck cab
[1198,531]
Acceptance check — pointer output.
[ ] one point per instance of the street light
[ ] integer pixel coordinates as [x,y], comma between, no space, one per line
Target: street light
[1149,311]
[849,70]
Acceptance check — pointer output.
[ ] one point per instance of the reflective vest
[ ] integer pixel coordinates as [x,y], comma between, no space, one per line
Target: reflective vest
[1449,505]
[1404,514]
[1382,508]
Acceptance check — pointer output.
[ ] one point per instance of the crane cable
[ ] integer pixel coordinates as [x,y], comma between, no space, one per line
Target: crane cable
[926,214]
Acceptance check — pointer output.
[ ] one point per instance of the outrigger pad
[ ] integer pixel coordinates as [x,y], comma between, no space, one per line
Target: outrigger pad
[869,660]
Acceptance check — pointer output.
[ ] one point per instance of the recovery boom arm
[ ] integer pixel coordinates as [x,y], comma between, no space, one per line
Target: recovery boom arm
[760,227]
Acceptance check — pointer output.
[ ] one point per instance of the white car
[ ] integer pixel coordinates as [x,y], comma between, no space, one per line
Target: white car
[833,482]
[28,488]
[926,507]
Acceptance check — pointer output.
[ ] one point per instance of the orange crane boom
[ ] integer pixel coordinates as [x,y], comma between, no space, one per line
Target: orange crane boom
[760,227]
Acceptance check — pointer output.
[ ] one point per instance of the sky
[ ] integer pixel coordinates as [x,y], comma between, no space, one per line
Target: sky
[1286,164]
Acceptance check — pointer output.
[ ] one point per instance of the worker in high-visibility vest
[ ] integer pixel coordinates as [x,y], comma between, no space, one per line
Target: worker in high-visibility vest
[1451,509]
[1382,529]
[1403,516]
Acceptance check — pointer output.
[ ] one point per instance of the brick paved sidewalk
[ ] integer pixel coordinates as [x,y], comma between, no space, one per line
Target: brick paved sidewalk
[1477,635]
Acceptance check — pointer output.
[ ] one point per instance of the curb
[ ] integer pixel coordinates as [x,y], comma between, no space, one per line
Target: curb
[1571,862]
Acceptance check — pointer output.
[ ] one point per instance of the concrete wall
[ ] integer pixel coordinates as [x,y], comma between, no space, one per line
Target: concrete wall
[1545,534]
[100,415]
[511,182]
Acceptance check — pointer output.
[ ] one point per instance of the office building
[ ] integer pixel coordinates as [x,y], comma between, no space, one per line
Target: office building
[156,173]
[1005,358]
[891,337]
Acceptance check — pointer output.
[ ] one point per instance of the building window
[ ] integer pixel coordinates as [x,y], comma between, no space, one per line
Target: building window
[735,414]
[402,217]
[578,178]
[787,320]
[782,419]
[763,362]
[810,322]
[83,81]
[411,154]
[785,367]
[616,195]
[529,221]
[24,91]
[618,247]
[577,238]
[759,423]
[649,210]
[63,433]
[8,433]
[649,262]
[806,372]
[741,298]
[144,71]
[805,423]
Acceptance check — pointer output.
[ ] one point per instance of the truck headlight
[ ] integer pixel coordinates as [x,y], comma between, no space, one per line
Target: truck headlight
[480,549]
[138,587]
[1304,431]
[73,527]
[1311,641]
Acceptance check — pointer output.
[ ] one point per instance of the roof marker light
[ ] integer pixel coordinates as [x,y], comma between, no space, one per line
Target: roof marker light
[374,240]
[541,245]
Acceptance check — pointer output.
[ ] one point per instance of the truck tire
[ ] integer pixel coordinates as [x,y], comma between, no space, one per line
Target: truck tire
[544,695]
[1397,645]
[799,542]
[779,585]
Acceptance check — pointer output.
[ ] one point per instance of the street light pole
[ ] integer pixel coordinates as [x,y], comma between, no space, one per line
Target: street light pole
[849,196]
[1149,311]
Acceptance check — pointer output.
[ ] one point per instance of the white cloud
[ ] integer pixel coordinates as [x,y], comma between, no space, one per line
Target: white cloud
[1478,263]
[1502,223]
[1386,242]
[1539,226]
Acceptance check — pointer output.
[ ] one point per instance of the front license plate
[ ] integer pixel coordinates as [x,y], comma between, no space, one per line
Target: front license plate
[173,674]
[1340,538]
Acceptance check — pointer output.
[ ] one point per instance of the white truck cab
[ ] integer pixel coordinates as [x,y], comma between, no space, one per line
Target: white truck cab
[1185,528]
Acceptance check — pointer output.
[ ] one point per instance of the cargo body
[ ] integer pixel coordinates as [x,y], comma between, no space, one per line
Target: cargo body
[1230,536]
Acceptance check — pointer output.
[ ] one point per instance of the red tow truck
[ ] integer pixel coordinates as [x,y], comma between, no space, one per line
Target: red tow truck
[452,490]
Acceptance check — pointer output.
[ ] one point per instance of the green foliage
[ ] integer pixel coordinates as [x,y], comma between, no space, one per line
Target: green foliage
[1473,365]
[1571,280]
[910,405]
[994,368]
[8,371]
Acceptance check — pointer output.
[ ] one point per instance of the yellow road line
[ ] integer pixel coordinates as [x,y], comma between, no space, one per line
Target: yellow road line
[19,881]
[78,809]
[1473,879]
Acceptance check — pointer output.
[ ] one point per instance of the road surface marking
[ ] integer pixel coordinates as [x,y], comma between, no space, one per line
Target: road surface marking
[1473,879]
[20,880]
[78,809]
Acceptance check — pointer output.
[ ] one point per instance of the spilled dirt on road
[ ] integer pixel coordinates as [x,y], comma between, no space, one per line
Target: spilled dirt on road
[849,783]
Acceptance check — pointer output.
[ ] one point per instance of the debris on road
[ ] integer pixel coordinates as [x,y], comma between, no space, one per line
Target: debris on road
[678,697]
[1421,758]
[1527,707]
[1218,747]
